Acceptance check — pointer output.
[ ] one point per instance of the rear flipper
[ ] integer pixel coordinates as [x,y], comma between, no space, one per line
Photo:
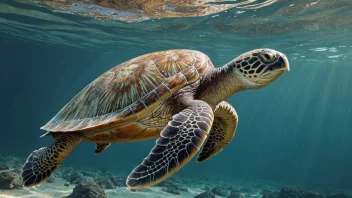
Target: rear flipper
[42,163]
[101,147]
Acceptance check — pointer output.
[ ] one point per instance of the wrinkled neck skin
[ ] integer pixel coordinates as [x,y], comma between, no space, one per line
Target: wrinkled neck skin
[218,84]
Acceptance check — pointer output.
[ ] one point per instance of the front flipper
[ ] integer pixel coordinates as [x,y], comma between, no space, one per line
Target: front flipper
[101,147]
[222,132]
[180,140]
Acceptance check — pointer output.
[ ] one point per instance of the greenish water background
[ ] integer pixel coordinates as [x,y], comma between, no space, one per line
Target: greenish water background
[297,130]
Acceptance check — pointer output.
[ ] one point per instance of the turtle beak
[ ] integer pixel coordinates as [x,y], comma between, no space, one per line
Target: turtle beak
[274,70]
[283,63]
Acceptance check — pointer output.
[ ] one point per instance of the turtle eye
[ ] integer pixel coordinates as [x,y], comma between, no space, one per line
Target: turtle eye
[266,57]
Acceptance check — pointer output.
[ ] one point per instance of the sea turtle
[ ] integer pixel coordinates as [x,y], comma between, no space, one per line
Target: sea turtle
[176,96]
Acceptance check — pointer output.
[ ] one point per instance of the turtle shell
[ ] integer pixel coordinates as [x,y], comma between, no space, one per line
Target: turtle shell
[130,91]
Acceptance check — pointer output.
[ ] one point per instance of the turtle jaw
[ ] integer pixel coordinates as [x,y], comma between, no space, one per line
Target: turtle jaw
[269,77]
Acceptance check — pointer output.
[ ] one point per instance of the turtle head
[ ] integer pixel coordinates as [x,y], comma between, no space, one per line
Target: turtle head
[260,67]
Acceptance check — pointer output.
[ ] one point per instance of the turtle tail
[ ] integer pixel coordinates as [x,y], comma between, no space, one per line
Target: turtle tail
[42,163]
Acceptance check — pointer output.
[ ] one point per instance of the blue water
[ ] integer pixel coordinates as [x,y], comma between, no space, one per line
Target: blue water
[295,131]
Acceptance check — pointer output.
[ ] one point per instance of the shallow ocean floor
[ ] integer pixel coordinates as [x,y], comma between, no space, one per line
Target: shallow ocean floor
[88,182]
[58,189]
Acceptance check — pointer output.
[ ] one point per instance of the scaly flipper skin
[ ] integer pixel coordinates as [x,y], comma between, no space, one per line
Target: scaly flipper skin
[101,147]
[222,131]
[180,140]
[42,163]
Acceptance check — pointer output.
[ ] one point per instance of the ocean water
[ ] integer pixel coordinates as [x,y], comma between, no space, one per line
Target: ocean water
[295,132]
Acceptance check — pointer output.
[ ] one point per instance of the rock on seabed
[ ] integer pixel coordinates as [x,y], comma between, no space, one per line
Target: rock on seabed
[88,189]
[10,180]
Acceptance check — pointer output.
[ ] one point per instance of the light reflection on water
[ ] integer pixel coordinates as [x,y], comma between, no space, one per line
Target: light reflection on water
[310,25]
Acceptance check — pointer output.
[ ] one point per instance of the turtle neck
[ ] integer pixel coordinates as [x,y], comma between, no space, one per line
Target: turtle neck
[218,84]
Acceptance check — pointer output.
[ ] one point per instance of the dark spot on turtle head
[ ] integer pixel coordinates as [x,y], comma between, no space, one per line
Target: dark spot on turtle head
[260,68]
[244,63]
[252,60]
[256,64]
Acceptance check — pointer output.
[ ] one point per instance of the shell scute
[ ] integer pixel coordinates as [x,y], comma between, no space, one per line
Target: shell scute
[176,82]
[191,74]
[163,92]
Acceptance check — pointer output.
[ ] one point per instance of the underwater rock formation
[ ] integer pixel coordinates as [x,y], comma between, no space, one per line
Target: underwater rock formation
[235,195]
[219,191]
[87,189]
[64,172]
[245,190]
[10,180]
[269,194]
[205,195]
[104,182]
[88,174]
[75,178]
[289,192]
